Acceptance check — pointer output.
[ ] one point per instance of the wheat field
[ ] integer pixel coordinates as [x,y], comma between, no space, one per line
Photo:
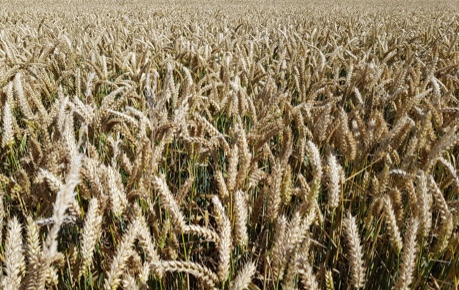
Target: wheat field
[241,145]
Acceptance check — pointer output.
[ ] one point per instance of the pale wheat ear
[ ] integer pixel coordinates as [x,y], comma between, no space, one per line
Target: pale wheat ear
[317,169]
[424,204]
[202,273]
[278,248]
[7,129]
[14,265]
[63,199]
[90,236]
[232,168]
[308,278]
[334,172]
[224,245]
[240,224]
[410,249]
[22,99]
[222,188]
[244,277]
[274,198]
[394,232]
[169,202]
[355,252]
[2,212]
[34,255]
[329,284]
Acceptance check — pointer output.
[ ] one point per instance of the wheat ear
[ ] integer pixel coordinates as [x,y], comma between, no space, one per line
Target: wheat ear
[355,252]
[424,205]
[90,237]
[244,277]
[129,282]
[391,221]
[118,200]
[122,255]
[329,285]
[274,198]
[240,225]
[444,233]
[63,199]
[222,188]
[405,276]
[439,198]
[204,274]
[224,245]
[333,174]
[22,99]
[34,256]
[169,203]
[14,259]
[8,132]
[317,171]
[308,279]
[232,168]
[278,248]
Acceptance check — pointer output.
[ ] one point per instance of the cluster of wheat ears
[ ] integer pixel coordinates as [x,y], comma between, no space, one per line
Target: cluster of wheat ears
[229,146]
